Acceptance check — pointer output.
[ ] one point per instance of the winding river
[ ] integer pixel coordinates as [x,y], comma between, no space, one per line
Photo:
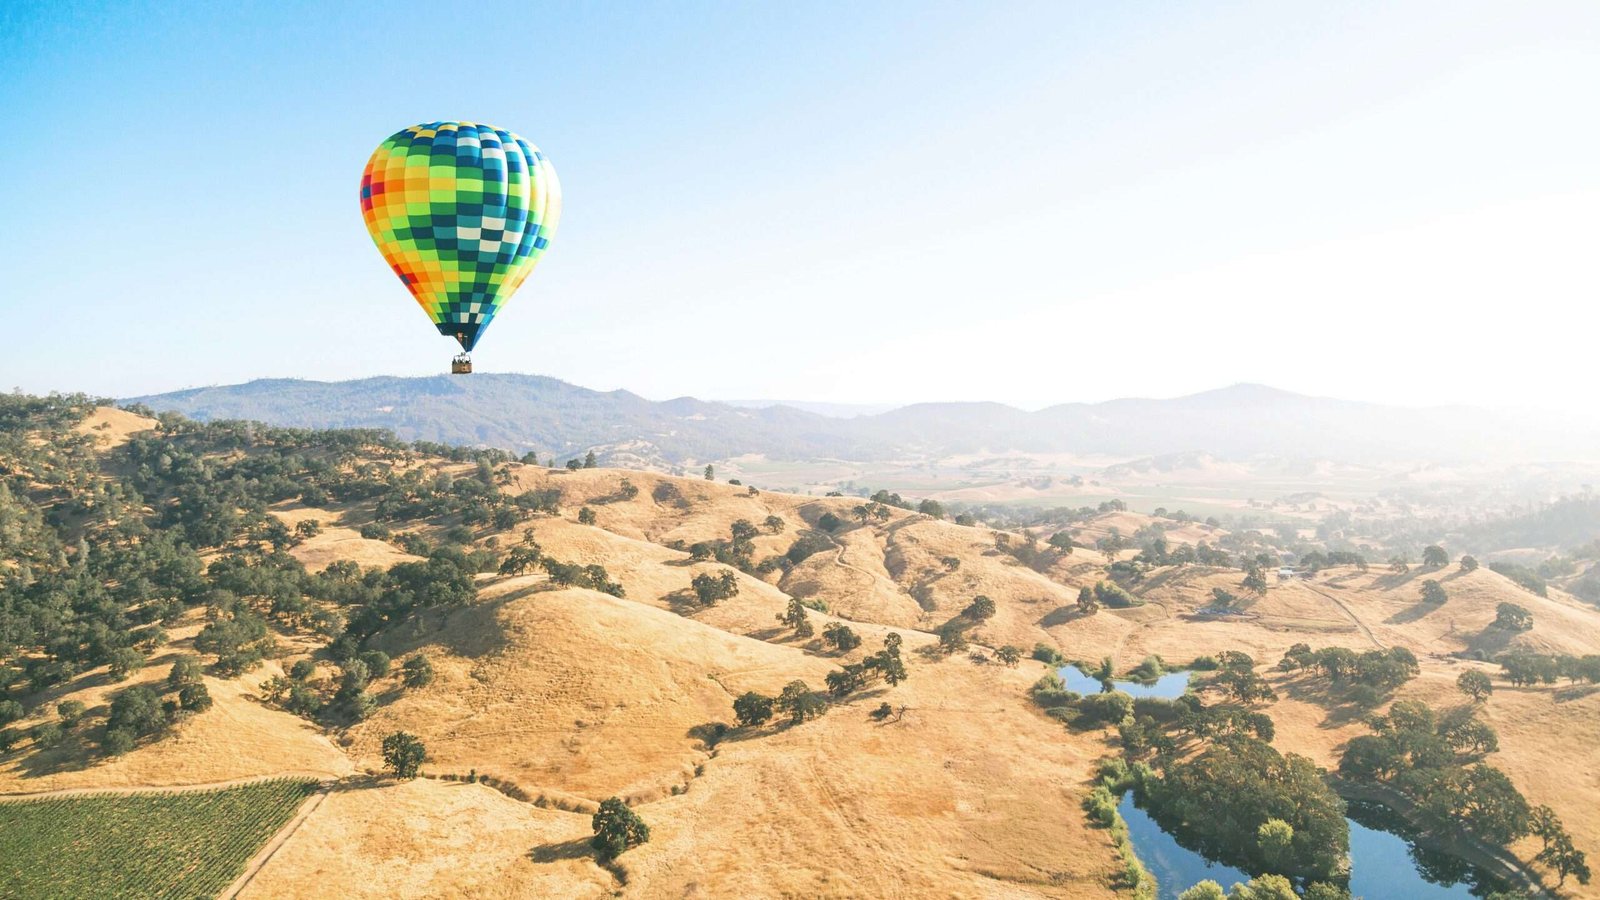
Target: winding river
[1384,863]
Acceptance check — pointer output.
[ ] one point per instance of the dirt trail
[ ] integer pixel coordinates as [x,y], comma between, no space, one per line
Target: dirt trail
[264,855]
[1360,625]
[839,560]
[324,777]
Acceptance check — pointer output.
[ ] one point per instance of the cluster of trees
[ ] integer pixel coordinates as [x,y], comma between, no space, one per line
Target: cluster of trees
[1523,667]
[1024,549]
[708,588]
[794,617]
[1266,887]
[1528,579]
[1241,801]
[141,712]
[797,700]
[885,664]
[349,700]
[872,511]
[841,637]
[1236,678]
[1368,677]
[588,462]
[738,550]
[1104,593]
[102,558]
[1317,560]
[592,576]
[1435,759]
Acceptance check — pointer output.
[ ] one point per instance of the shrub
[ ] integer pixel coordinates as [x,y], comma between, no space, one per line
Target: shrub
[1110,708]
[194,697]
[1111,594]
[377,663]
[1049,655]
[1049,698]
[417,671]
[48,734]
[1101,805]
[71,712]
[124,662]
[980,609]
[841,637]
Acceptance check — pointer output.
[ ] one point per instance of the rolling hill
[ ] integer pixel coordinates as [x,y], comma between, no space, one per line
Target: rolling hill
[551,417]
[549,696]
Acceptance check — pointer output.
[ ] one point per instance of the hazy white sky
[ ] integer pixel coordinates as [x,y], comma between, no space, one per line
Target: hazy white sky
[1030,203]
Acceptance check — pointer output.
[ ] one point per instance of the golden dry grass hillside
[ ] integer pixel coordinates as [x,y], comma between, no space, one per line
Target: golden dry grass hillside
[562,696]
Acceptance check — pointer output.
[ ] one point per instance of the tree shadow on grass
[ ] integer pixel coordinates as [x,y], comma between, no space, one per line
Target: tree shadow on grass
[75,753]
[1490,642]
[682,601]
[1412,613]
[707,733]
[1393,580]
[1333,700]
[1061,615]
[577,848]
[1575,692]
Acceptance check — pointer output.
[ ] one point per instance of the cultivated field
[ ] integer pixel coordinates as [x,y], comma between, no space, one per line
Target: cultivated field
[167,844]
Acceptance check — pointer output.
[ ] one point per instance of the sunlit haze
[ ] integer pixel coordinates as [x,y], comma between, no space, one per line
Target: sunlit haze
[1026,203]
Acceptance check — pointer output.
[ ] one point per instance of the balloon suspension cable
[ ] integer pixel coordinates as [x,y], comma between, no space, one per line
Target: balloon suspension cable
[461,364]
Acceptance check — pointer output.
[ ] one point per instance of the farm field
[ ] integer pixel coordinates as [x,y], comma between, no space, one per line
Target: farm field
[169,844]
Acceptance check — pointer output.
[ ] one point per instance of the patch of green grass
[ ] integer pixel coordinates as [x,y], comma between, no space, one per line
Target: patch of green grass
[180,844]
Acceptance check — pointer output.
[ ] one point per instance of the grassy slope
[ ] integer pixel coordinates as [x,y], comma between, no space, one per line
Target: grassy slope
[574,696]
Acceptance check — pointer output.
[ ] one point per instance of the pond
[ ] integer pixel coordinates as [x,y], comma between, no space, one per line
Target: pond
[1168,687]
[1383,864]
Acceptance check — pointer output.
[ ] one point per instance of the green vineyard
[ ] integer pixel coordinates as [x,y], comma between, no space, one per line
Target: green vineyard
[171,845]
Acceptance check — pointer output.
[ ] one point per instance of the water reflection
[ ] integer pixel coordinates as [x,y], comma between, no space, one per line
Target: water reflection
[1383,864]
[1168,687]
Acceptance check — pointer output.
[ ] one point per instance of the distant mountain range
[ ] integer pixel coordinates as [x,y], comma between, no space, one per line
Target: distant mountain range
[552,417]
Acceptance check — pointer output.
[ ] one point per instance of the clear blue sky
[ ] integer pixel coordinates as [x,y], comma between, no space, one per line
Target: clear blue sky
[1030,203]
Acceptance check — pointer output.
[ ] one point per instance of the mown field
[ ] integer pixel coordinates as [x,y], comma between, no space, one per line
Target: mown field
[180,844]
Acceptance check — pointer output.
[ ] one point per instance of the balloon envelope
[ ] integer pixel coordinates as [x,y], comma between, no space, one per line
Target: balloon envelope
[462,212]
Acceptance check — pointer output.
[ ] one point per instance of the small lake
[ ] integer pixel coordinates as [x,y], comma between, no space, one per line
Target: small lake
[1168,687]
[1383,864]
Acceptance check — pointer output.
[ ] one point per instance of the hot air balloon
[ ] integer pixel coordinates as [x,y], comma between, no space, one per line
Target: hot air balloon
[462,213]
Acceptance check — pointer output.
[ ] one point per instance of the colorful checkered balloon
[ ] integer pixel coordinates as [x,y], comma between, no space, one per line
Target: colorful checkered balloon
[462,213]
